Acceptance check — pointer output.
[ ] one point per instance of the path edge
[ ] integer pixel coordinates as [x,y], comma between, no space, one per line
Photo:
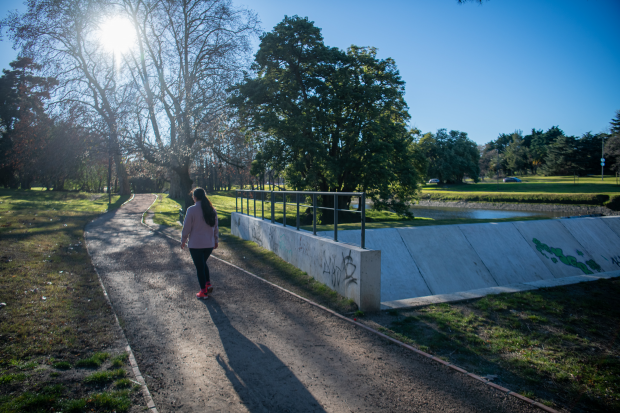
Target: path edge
[369,329]
[132,360]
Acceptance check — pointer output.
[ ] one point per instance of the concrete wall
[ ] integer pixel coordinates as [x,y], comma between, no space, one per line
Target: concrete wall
[350,270]
[423,261]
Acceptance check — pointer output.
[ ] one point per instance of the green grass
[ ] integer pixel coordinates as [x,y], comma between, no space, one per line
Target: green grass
[104,377]
[51,399]
[120,360]
[43,254]
[559,345]
[93,361]
[12,378]
[533,189]
[123,384]
[536,184]
[62,365]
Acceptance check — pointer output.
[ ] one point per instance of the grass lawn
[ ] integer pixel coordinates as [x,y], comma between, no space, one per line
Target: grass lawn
[55,313]
[535,184]
[559,345]
[533,189]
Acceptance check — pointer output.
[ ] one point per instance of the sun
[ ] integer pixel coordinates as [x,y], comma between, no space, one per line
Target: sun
[117,34]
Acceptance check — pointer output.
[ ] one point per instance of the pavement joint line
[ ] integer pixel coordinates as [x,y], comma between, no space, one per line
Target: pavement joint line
[365,327]
[132,360]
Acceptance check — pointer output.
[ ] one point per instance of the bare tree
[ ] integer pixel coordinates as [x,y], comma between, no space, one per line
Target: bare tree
[63,36]
[188,53]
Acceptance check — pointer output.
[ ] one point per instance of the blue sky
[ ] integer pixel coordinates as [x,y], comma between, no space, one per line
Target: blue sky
[482,69]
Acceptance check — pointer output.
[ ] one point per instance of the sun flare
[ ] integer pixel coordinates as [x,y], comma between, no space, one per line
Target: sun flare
[117,34]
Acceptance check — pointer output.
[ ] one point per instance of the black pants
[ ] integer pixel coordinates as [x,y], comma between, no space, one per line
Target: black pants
[200,256]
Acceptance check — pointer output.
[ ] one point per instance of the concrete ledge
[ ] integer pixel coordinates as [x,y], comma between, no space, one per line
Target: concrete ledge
[349,270]
[483,292]
[557,282]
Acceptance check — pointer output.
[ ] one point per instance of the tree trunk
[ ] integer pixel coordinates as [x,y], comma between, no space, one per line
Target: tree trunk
[121,172]
[175,185]
[60,185]
[121,175]
[185,186]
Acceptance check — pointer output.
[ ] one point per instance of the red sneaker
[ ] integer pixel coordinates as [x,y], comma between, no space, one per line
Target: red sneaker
[202,296]
[209,288]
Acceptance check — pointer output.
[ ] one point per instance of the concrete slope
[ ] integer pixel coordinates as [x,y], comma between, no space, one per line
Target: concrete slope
[598,240]
[613,223]
[505,253]
[400,276]
[447,261]
[563,255]
[425,261]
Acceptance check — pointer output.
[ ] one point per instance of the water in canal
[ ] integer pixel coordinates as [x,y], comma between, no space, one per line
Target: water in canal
[469,213]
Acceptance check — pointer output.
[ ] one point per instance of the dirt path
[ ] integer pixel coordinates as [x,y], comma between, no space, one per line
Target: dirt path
[253,348]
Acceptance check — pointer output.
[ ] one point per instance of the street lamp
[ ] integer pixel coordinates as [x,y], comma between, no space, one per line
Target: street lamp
[602,156]
[497,168]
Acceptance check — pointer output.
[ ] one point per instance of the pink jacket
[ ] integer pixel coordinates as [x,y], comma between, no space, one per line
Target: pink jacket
[200,234]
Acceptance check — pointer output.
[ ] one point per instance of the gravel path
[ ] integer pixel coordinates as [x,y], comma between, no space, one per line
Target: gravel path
[253,348]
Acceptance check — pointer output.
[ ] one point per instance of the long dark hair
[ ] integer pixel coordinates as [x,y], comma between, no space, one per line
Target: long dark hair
[208,213]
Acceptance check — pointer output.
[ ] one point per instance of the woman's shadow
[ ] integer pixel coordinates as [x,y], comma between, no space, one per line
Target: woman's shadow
[260,378]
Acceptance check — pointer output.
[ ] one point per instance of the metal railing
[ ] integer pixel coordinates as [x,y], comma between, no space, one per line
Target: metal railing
[251,194]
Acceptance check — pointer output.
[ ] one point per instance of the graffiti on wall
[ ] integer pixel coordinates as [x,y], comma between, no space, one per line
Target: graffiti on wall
[340,274]
[566,259]
[256,235]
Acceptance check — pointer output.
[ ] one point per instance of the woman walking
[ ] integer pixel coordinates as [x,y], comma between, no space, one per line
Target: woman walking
[200,226]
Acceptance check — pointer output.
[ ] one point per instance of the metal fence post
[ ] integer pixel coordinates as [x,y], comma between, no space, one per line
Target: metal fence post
[262,206]
[236,197]
[241,193]
[247,203]
[297,199]
[363,204]
[254,197]
[284,205]
[336,218]
[314,214]
[273,210]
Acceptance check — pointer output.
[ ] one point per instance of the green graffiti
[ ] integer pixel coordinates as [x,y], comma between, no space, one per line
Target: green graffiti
[592,264]
[566,259]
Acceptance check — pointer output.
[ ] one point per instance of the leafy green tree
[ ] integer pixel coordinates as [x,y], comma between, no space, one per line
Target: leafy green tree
[614,125]
[24,124]
[517,154]
[451,156]
[561,157]
[612,146]
[336,120]
[612,152]
[588,153]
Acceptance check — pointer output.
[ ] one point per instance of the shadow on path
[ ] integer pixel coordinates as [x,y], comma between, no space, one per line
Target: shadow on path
[250,366]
